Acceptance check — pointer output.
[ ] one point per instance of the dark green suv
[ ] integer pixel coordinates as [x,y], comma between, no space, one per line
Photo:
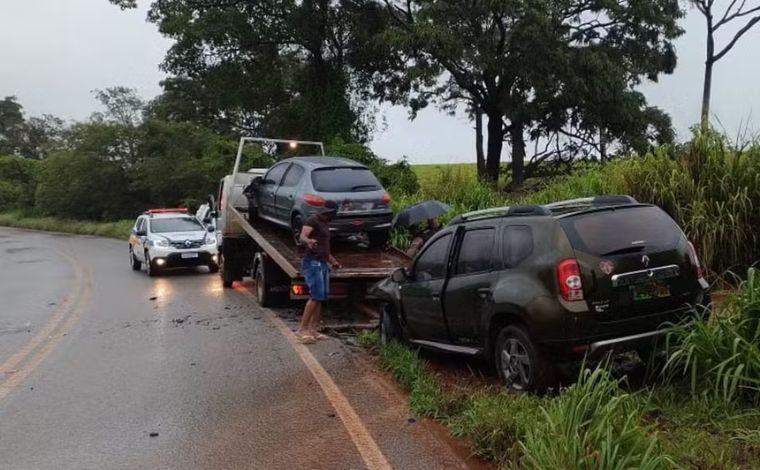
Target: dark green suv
[531,286]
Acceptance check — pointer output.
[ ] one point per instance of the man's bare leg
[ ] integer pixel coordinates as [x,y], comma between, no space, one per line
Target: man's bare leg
[315,319]
[306,320]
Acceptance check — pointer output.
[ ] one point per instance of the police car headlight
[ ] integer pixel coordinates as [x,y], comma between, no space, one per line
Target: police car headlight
[162,243]
[210,241]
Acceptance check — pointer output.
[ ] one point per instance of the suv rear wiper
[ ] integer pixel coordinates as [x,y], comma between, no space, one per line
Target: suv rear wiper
[628,249]
[359,186]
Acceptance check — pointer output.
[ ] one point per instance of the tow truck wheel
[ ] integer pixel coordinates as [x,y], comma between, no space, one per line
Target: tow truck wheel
[226,274]
[262,289]
[213,268]
[133,262]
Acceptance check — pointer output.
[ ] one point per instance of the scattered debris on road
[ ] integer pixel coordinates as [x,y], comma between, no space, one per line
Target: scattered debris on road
[154,434]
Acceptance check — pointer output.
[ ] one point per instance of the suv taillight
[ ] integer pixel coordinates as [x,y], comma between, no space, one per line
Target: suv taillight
[387,199]
[569,277]
[698,269]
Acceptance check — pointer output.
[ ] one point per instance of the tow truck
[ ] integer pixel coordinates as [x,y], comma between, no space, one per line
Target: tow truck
[270,256]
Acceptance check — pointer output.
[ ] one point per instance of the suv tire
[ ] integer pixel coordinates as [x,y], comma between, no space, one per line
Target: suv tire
[390,330]
[519,363]
[133,261]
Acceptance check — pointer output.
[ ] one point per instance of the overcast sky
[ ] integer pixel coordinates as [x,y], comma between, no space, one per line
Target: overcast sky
[55,52]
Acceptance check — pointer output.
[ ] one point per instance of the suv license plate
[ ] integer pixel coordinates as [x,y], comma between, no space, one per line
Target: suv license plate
[650,291]
[189,255]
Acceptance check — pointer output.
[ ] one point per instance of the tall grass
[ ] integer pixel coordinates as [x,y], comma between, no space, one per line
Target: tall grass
[721,358]
[593,425]
[711,188]
[119,229]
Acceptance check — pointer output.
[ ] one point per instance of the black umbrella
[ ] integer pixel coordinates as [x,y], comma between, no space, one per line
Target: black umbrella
[421,211]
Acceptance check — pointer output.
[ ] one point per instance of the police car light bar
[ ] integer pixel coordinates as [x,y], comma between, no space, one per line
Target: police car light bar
[178,210]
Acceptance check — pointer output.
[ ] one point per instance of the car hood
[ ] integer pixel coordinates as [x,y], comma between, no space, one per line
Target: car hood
[180,236]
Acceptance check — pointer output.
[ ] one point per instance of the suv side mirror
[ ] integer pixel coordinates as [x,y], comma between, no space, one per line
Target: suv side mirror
[141,233]
[210,229]
[207,220]
[399,275]
[214,215]
[258,180]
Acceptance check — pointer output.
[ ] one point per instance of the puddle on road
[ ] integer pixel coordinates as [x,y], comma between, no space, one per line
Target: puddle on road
[19,249]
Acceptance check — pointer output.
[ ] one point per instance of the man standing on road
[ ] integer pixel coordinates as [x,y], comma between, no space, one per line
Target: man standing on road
[315,267]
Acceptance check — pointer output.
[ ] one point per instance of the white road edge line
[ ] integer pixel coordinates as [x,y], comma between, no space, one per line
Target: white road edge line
[370,452]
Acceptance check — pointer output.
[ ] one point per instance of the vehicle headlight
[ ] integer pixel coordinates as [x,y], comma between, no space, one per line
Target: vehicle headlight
[163,243]
[210,241]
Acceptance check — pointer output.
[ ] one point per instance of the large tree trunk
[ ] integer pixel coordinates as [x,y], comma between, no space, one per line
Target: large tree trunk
[517,140]
[481,158]
[707,85]
[495,144]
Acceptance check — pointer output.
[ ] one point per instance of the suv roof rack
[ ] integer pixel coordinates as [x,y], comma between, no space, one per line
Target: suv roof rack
[506,211]
[590,203]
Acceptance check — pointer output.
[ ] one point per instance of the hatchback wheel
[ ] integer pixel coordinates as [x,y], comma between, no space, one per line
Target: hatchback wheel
[296,225]
[521,366]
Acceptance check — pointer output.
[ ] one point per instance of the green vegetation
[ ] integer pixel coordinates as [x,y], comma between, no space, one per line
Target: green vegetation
[119,229]
[595,423]
[708,186]
[721,358]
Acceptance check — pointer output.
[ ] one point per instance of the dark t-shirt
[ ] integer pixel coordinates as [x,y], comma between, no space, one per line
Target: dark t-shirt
[321,234]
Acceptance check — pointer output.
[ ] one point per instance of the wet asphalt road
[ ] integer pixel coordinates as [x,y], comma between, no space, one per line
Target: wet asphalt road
[96,375]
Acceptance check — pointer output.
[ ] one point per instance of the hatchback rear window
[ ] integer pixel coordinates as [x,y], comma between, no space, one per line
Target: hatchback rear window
[617,231]
[344,180]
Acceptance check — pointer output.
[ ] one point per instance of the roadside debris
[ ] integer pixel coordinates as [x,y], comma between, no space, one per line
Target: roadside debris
[153,298]
[154,434]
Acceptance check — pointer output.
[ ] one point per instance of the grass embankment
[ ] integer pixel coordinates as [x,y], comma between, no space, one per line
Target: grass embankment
[119,229]
[598,422]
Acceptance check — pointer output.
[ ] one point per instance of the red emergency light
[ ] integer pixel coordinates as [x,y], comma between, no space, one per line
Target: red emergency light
[178,210]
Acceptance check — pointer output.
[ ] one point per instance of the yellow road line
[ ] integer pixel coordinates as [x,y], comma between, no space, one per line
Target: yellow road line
[40,345]
[368,449]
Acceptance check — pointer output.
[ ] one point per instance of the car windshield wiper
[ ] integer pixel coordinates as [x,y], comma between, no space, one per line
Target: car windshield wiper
[360,186]
[627,249]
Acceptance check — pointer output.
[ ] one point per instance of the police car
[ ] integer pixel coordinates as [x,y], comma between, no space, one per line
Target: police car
[171,238]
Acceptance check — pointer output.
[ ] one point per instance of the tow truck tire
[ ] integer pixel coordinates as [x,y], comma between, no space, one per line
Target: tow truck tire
[264,292]
[133,261]
[225,273]
[213,268]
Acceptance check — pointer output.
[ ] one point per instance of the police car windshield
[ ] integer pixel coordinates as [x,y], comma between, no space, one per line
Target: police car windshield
[175,224]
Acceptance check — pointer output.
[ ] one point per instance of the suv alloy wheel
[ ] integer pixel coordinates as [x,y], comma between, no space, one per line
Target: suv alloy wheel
[521,366]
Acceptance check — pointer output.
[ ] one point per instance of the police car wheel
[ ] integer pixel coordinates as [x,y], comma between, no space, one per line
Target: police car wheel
[133,262]
[151,270]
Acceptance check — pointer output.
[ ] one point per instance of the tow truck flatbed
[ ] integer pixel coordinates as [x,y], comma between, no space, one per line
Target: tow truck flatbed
[358,263]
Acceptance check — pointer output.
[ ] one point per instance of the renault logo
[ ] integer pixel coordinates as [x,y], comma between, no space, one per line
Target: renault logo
[187,244]
[645,261]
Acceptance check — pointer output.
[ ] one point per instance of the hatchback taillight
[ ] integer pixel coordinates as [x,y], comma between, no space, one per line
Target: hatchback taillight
[569,278]
[698,269]
[314,200]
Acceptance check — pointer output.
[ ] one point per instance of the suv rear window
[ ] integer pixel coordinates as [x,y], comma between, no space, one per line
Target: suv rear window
[611,231]
[344,180]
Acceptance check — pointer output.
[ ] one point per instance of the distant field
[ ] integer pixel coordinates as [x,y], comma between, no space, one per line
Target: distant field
[426,173]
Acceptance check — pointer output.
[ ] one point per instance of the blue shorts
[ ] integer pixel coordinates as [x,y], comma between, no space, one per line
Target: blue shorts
[317,275]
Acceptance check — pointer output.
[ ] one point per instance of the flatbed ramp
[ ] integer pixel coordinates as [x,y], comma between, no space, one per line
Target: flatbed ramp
[358,263]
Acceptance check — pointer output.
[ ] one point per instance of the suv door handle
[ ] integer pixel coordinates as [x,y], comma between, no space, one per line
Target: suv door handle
[436,295]
[484,292]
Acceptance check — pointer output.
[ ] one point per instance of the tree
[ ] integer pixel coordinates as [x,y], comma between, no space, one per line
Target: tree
[736,12]
[12,125]
[529,62]
[270,67]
